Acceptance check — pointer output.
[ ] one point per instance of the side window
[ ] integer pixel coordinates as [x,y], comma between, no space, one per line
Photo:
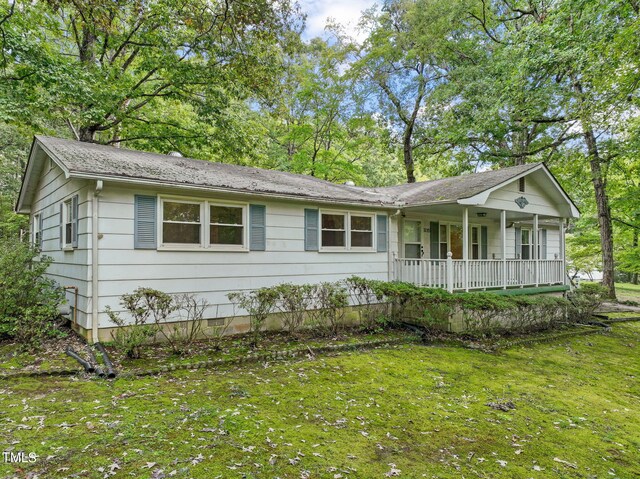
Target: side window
[334,230]
[36,238]
[181,222]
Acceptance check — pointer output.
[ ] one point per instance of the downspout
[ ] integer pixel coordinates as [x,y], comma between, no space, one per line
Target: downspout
[94,261]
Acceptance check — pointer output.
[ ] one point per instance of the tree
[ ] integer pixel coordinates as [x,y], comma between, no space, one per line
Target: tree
[403,60]
[103,68]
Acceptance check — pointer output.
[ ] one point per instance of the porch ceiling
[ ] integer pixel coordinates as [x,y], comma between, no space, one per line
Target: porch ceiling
[455,210]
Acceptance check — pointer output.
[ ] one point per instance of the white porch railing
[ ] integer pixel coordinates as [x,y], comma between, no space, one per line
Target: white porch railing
[459,274]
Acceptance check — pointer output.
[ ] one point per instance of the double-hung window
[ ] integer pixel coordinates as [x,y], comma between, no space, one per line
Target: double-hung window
[203,224]
[361,231]
[36,238]
[181,223]
[226,225]
[334,229]
[346,231]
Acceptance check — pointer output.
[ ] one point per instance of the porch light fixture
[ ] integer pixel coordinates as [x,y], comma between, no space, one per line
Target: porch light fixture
[481,214]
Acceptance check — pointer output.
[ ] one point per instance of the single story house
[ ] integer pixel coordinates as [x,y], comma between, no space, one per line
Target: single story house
[115,219]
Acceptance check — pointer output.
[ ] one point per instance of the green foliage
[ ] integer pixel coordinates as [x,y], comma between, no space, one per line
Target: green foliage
[258,304]
[147,309]
[585,300]
[372,312]
[328,303]
[188,326]
[293,302]
[28,300]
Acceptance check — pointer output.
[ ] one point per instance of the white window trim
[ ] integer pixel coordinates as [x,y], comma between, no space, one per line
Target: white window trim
[245,227]
[36,230]
[66,212]
[205,244]
[448,224]
[347,223]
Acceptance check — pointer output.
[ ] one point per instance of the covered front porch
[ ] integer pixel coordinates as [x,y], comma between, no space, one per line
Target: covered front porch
[464,248]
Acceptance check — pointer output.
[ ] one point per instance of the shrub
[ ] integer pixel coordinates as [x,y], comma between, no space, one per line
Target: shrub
[148,309]
[584,301]
[28,301]
[329,301]
[293,302]
[372,311]
[259,304]
[184,332]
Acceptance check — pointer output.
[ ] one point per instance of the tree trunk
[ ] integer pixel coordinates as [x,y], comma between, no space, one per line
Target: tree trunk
[604,211]
[634,276]
[87,134]
[408,154]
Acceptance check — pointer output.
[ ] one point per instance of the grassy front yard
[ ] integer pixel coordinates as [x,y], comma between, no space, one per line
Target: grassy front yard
[408,411]
[628,292]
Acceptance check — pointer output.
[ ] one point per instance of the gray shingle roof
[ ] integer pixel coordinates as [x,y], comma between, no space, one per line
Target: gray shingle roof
[99,161]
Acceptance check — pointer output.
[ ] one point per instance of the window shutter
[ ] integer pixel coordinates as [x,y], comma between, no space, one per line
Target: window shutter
[144,219]
[484,235]
[310,230]
[257,227]
[61,225]
[434,239]
[41,228]
[518,252]
[381,225]
[543,243]
[74,221]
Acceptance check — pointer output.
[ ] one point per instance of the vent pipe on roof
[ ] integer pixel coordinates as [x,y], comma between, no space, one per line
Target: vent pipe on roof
[349,183]
[174,153]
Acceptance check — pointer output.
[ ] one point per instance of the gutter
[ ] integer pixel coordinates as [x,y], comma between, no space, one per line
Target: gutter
[94,260]
[217,189]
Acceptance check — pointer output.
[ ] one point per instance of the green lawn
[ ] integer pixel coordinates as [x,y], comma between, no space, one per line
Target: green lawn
[628,292]
[411,411]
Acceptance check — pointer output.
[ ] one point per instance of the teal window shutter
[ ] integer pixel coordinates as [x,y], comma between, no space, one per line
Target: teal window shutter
[311,229]
[434,240]
[144,220]
[381,231]
[74,221]
[257,228]
[543,244]
[518,252]
[484,234]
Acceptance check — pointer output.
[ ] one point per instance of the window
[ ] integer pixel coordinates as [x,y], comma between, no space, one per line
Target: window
[334,230]
[67,223]
[36,238]
[204,224]
[444,242]
[526,244]
[346,231]
[521,185]
[475,242]
[226,225]
[361,231]
[181,222]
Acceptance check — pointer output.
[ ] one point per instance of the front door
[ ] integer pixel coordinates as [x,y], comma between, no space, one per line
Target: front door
[412,239]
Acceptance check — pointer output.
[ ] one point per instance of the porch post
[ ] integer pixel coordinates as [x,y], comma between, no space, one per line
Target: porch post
[503,239]
[563,270]
[449,272]
[465,246]
[536,258]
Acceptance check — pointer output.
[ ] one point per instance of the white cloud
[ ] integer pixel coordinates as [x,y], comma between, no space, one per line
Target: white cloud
[347,13]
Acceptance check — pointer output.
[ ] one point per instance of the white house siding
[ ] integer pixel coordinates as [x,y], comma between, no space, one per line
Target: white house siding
[212,274]
[69,268]
[539,202]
